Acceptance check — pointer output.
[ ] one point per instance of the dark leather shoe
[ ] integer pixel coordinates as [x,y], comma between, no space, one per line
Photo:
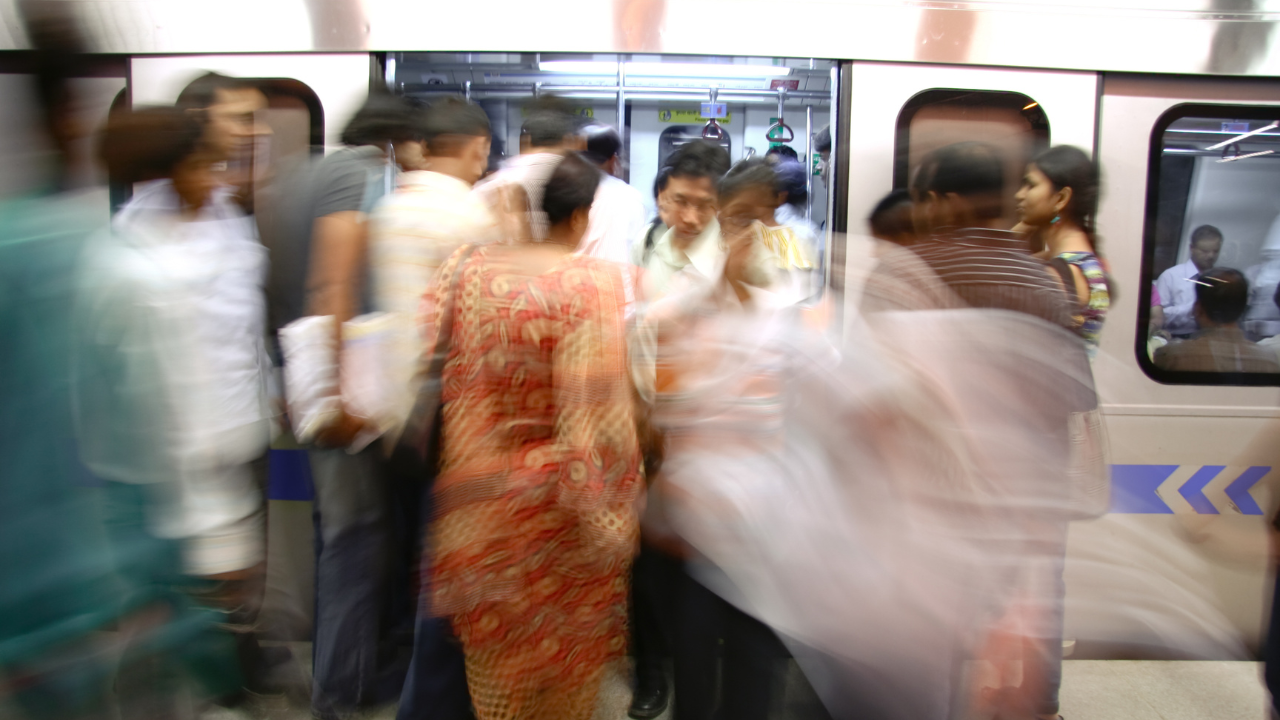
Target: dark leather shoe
[650,700]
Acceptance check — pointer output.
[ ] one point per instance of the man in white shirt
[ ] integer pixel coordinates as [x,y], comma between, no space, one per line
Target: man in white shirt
[691,248]
[617,214]
[1175,286]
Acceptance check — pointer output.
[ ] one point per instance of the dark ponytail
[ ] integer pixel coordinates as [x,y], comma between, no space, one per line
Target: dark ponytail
[1069,166]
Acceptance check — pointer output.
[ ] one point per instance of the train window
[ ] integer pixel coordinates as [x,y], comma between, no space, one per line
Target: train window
[1211,263]
[1013,122]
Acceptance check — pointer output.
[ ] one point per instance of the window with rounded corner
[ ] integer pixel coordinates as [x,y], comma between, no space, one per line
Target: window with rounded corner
[1211,247]
[1012,122]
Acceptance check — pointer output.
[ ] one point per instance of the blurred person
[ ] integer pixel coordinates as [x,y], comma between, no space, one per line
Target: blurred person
[412,232]
[171,402]
[228,109]
[551,130]
[1272,343]
[1222,296]
[617,215]
[319,249]
[1264,278]
[822,146]
[748,199]
[1177,287]
[957,202]
[534,523]
[58,582]
[793,198]
[890,220]
[1057,202]
[782,153]
[691,247]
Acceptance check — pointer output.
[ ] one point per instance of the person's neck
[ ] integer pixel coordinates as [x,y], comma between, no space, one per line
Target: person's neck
[1065,236]
[681,243]
[561,238]
[543,150]
[453,167]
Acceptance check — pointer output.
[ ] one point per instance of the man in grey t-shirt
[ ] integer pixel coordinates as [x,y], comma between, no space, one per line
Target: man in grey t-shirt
[316,233]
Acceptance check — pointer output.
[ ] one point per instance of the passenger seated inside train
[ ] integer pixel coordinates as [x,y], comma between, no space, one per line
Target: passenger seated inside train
[1221,297]
[1177,287]
[1273,343]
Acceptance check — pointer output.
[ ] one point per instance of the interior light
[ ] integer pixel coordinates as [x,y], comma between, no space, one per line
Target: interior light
[1030,105]
[1242,157]
[654,69]
[1238,138]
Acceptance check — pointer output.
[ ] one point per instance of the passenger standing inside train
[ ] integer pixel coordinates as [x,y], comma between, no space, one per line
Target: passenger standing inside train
[534,524]
[1176,286]
[412,232]
[793,198]
[617,215]
[643,246]
[749,197]
[1057,202]
[691,247]
[318,245]
[1222,297]
[551,130]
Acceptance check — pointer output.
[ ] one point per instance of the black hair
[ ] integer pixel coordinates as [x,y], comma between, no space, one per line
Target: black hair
[661,180]
[785,151]
[550,121]
[603,142]
[202,93]
[1067,166]
[383,119]
[572,186]
[449,118]
[58,43]
[822,140]
[699,159]
[148,143]
[1222,294]
[792,179]
[1205,232]
[971,170]
[887,219]
[747,174]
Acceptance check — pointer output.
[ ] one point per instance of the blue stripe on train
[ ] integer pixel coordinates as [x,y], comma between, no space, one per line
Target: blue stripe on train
[289,475]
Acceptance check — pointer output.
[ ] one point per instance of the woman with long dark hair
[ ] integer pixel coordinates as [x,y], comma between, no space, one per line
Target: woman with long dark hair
[1057,204]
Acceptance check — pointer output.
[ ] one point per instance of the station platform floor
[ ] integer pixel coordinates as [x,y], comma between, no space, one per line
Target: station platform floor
[1091,690]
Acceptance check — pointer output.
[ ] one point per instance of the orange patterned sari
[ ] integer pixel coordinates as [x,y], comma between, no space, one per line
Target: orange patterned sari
[534,523]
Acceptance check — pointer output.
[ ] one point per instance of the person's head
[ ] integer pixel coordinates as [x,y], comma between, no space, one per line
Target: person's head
[551,127]
[58,43]
[567,199]
[782,152]
[1206,245]
[159,142]
[793,177]
[1060,185]
[891,219]
[958,185]
[458,137]
[747,193]
[822,144]
[228,108]
[386,120]
[661,198]
[695,168]
[603,145]
[1222,296]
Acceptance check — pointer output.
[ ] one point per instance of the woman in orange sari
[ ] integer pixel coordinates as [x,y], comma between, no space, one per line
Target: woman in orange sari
[534,525]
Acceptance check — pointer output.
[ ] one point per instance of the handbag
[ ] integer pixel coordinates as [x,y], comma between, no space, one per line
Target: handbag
[423,426]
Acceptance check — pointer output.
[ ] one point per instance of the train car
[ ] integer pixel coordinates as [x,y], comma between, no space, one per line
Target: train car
[1178,101]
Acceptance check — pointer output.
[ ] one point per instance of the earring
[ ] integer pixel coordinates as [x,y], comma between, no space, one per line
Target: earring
[1056,219]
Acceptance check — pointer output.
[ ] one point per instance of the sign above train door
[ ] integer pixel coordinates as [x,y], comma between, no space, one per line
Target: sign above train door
[685,116]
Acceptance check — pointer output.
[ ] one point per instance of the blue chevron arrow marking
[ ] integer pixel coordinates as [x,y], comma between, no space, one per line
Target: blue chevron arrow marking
[1193,489]
[1133,488]
[1238,490]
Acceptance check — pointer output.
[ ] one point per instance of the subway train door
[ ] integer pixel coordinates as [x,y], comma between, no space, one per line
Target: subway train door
[310,99]
[1182,563]
[895,113]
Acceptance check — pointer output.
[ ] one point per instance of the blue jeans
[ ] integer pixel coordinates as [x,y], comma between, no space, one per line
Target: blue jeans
[351,516]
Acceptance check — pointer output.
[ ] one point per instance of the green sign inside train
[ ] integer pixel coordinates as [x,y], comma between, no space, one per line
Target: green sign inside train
[689,117]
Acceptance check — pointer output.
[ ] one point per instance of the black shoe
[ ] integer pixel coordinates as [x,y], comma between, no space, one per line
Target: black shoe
[650,699]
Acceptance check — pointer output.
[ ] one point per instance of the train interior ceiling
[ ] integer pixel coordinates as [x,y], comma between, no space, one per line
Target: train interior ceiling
[662,99]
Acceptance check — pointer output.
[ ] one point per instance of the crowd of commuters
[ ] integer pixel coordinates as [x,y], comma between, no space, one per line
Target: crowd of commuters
[608,436]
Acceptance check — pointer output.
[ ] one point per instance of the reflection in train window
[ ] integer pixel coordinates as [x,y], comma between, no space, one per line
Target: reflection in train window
[1211,262]
[1012,122]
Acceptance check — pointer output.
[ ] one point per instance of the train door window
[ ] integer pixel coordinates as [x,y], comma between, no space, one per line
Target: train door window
[1012,122]
[675,136]
[1211,251]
